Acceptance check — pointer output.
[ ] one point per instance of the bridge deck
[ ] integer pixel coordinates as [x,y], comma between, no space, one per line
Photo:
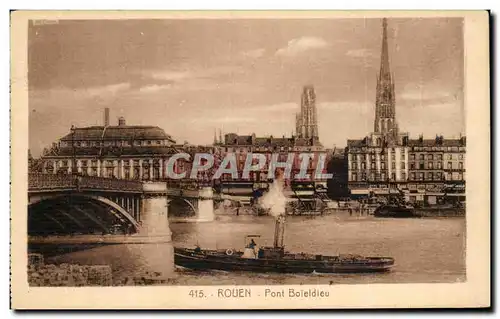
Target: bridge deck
[66,182]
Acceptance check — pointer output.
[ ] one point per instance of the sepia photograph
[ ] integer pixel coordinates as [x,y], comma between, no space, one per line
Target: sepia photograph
[216,153]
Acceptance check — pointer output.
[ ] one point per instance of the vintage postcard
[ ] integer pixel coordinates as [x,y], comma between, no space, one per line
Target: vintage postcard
[250,160]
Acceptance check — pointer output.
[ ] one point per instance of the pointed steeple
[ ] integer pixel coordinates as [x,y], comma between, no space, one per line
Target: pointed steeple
[385,105]
[385,71]
[215,136]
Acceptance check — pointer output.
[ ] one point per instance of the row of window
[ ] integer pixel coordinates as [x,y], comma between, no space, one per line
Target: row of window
[127,173]
[453,149]
[438,148]
[421,157]
[114,143]
[106,163]
[436,176]
[430,165]
[421,165]
[438,157]
[268,149]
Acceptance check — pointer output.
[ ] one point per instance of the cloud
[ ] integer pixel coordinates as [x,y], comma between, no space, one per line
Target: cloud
[78,94]
[169,75]
[192,73]
[112,89]
[419,95]
[155,88]
[257,53]
[359,53]
[301,45]
[290,106]
[189,78]
[222,120]
[425,95]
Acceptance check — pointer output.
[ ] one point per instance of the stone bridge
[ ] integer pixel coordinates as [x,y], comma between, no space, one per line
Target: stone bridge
[86,205]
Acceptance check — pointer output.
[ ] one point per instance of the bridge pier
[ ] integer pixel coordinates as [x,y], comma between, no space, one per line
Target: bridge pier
[153,247]
[191,205]
[206,205]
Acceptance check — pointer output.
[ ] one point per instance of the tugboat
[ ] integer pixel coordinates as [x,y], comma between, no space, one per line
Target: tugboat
[276,259]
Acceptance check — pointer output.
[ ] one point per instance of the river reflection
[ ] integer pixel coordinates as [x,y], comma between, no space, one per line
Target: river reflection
[426,250]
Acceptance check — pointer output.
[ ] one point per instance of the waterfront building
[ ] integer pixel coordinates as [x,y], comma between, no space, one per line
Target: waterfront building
[389,162]
[338,167]
[305,140]
[241,145]
[436,170]
[121,151]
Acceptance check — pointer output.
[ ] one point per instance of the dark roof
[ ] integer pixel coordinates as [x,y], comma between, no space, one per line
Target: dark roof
[124,132]
[416,142]
[246,140]
[434,142]
[354,143]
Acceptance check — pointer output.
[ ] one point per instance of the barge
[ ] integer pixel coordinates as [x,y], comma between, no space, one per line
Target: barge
[276,259]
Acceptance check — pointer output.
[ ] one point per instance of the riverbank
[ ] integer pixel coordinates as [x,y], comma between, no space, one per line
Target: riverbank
[76,275]
[440,212]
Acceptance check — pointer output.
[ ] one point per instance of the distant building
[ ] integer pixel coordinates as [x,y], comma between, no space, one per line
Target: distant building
[337,166]
[388,162]
[244,144]
[122,151]
[306,125]
[306,140]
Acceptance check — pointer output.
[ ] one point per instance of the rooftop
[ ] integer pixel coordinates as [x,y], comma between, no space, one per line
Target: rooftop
[252,140]
[120,132]
[112,151]
[438,141]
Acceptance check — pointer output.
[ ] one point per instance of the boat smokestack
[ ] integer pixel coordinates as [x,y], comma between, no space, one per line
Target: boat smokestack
[279,231]
[106,116]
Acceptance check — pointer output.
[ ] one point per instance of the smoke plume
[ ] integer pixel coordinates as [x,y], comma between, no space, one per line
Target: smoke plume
[274,200]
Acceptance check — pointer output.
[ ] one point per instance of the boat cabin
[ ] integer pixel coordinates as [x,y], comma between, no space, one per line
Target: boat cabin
[271,252]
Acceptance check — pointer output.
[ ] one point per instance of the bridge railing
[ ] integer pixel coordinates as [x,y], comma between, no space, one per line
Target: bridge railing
[39,181]
[94,182]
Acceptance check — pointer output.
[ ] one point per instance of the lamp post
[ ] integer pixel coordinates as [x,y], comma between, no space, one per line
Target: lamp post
[73,164]
[74,169]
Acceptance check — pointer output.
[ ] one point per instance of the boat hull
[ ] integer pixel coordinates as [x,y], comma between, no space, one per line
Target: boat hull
[394,212]
[200,261]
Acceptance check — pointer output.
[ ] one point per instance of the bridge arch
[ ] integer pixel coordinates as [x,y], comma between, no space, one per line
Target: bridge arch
[80,214]
[181,207]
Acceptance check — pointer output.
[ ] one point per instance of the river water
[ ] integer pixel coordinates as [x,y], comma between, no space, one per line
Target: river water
[426,250]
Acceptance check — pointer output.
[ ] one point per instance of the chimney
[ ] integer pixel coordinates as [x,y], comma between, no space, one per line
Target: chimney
[106,116]
[121,121]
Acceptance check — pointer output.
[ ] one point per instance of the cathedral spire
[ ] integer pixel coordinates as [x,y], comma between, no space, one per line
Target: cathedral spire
[385,105]
[385,72]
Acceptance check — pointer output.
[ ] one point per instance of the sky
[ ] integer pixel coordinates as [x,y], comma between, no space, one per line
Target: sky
[191,77]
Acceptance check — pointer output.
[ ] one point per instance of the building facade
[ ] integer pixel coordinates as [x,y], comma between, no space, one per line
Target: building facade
[241,145]
[388,162]
[121,151]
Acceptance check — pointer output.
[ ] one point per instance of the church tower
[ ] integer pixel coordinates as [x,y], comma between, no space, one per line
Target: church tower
[385,105]
[306,120]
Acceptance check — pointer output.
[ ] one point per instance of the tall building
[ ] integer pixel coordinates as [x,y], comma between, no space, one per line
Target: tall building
[385,106]
[242,145]
[387,161]
[306,124]
[385,126]
[114,151]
